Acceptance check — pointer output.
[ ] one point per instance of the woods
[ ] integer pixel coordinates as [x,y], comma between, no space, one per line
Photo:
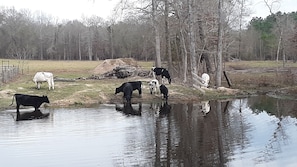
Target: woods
[186,35]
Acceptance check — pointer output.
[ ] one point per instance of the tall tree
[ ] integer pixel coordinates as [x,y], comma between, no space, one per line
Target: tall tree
[157,34]
[220,44]
[167,35]
[192,40]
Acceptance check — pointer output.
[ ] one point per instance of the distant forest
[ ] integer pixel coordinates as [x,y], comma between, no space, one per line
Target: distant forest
[24,35]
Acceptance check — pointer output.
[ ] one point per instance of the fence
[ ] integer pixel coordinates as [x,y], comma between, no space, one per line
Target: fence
[8,72]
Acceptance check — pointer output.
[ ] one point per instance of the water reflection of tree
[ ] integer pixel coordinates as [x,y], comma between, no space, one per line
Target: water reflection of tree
[237,125]
[274,144]
[281,109]
[273,106]
[199,137]
[184,136]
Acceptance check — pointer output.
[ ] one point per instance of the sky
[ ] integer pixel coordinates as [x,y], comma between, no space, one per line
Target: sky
[65,9]
[259,8]
[75,9]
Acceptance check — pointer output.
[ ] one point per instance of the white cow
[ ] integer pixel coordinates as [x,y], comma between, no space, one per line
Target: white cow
[44,77]
[205,79]
[154,86]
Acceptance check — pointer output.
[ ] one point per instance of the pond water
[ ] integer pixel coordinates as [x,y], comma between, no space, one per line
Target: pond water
[256,131]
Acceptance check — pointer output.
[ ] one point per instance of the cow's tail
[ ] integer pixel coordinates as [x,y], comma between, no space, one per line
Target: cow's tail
[13,97]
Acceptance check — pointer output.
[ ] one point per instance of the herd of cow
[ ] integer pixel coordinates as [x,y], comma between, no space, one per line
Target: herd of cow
[127,88]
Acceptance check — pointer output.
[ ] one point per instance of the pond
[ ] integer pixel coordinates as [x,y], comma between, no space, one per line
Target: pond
[256,131]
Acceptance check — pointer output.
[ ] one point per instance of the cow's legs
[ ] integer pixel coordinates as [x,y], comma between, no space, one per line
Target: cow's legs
[38,85]
[49,84]
[18,107]
[53,84]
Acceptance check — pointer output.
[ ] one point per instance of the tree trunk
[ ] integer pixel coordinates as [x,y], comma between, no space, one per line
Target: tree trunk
[79,47]
[157,35]
[41,41]
[192,39]
[167,36]
[220,45]
[90,45]
[185,56]
[110,30]
[205,56]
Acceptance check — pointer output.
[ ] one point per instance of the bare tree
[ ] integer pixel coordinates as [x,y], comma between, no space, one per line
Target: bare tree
[167,35]
[157,34]
[271,4]
[220,45]
[192,37]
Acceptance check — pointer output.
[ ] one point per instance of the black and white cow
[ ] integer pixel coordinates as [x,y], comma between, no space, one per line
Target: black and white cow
[154,86]
[164,91]
[163,72]
[128,89]
[136,85]
[29,100]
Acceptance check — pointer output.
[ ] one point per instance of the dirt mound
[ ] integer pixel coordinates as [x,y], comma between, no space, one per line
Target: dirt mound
[109,64]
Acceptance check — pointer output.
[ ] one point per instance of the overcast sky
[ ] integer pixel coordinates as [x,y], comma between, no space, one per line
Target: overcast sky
[75,9]
[259,8]
[65,9]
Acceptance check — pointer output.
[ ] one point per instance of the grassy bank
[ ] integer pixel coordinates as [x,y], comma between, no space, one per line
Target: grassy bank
[78,92]
[247,76]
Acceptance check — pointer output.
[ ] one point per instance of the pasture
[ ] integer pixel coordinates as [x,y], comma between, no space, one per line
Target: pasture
[250,77]
[80,92]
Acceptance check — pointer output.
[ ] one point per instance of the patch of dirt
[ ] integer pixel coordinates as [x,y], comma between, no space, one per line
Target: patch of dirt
[109,64]
[7,93]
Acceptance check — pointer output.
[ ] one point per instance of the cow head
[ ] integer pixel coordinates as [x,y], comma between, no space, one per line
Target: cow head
[45,99]
[117,90]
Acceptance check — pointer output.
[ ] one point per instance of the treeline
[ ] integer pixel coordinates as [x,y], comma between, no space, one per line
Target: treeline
[24,35]
[271,38]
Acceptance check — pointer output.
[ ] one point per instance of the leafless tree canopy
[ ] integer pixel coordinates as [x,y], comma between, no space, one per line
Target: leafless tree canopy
[182,35]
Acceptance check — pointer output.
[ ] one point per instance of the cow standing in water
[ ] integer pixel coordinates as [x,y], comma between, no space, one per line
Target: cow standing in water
[29,100]
[44,77]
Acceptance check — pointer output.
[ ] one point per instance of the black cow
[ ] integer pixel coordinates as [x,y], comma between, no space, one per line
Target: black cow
[128,89]
[163,72]
[164,91]
[29,100]
[135,85]
[36,114]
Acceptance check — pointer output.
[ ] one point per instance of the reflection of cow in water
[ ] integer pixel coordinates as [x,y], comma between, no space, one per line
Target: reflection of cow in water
[129,110]
[29,100]
[36,114]
[161,109]
[164,109]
